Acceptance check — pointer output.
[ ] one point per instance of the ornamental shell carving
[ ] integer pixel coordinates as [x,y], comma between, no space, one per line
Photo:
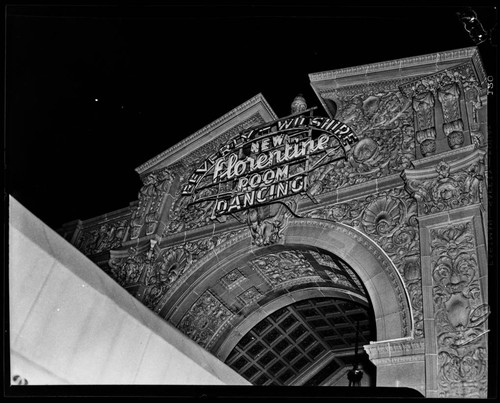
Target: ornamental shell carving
[365,149]
[383,216]
[171,266]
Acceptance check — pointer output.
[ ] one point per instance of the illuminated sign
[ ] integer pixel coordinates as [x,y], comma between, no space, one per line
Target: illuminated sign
[268,162]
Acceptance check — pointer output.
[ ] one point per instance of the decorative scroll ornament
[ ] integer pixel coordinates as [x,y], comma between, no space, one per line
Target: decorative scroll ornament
[460,313]
[451,185]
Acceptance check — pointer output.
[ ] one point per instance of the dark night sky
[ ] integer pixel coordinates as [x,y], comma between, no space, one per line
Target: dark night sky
[161,73]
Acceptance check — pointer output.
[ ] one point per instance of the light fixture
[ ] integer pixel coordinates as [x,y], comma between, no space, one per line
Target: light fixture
[473,26]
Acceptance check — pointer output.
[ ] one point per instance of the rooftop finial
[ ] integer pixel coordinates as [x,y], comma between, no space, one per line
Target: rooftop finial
[299,104]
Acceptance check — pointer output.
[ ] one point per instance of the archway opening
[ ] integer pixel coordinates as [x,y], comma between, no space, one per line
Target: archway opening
[311,343]
[239,285]
[311,325]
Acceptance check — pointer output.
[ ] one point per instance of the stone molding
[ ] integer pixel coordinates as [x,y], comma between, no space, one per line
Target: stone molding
[394,352]
[434,58]
[459,73]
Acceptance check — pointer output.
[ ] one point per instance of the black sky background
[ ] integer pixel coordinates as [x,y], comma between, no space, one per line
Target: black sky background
[162,72]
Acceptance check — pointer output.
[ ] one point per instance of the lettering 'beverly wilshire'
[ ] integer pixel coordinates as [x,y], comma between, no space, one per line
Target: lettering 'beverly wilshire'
[268,162]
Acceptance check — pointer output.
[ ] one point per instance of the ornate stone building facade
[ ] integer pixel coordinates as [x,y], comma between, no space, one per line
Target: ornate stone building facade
[280,244]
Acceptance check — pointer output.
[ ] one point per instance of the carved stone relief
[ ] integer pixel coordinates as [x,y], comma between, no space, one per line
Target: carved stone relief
[105,237]
[449,97]
[423,104]
[285,268]
[156,271]
[389,219]
[460,312]
[449,87]
[128,270]
[382,119]
[151,196]
[268,223]
[165,271]
[195,252]
[232,279]
[175,261]
[448,189]
[250,296]
[472,92]
[205,319]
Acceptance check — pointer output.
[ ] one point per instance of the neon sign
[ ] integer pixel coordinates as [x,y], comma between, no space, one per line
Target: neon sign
[268,162]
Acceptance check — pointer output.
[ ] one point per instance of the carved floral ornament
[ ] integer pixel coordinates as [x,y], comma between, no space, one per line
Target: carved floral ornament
[448,185]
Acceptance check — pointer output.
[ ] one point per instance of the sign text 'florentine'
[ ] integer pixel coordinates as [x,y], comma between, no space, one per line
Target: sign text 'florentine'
[267,163]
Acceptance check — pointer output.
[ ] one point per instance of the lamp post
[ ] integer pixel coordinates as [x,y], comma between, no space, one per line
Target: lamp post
[354,375]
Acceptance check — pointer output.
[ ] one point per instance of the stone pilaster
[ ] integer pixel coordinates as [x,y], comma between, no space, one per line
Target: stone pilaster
[454,274]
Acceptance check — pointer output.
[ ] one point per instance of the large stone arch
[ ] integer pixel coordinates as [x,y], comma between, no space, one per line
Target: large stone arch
[386,290]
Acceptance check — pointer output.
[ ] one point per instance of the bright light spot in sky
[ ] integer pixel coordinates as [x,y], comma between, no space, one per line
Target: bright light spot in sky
[96,100]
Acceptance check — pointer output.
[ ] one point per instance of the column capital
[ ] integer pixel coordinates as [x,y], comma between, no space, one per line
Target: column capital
[448,185]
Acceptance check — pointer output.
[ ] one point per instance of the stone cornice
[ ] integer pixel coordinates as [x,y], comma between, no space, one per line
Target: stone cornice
[406,349]
[433,58]
[448,156]
[169,153]
[455,165]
